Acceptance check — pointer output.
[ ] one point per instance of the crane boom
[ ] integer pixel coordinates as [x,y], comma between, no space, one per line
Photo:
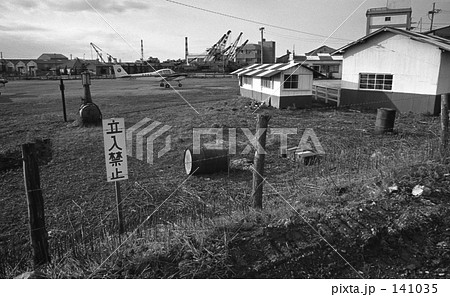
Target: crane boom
[230,53]
[217,50]
[99,52]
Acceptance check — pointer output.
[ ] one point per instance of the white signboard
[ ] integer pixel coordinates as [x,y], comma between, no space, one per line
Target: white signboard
[115,149]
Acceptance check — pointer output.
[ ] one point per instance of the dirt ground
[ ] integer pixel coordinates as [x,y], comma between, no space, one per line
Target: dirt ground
[345,198]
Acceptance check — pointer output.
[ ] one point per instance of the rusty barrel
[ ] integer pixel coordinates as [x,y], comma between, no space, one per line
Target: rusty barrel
[385,120]
[90,113]
[208,160]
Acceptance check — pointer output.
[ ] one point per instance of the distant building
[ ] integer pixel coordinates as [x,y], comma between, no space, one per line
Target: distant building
[22,67]
[251,53]
[324,49]
[47,62]
[393,17]
[268,52]
[395,68]
[76,66]
[320,60]
[52,57]
[443,32]
[279,85]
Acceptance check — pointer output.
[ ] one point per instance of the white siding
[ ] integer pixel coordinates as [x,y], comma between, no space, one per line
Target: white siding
[414,65]
[395,19]
[304,83]
[305,80]
[444,74]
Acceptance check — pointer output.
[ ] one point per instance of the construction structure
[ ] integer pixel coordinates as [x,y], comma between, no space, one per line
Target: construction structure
[218,57]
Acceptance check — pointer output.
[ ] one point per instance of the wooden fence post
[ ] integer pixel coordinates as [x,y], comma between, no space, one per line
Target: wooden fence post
[38,232]
[444,125]
[61,87]
[258,170]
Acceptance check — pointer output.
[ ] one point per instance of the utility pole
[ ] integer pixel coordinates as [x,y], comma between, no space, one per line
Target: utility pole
[262,43]
[433,12]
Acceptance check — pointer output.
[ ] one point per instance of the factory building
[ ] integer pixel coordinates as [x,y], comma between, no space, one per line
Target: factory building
[251,53]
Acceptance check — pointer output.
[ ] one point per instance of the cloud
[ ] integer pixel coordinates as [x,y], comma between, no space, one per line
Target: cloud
[27,4]
[113,6]
[21,28]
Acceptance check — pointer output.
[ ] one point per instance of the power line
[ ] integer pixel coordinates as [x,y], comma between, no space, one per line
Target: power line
[253,21]
[299,38]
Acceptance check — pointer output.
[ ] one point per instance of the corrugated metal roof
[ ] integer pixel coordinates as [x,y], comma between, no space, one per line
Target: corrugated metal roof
[441,43]
[267,70]
[319,57]
[263,70]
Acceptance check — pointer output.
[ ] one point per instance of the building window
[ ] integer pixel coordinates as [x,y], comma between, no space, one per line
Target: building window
[290,81]
[387,19]
[247,80]
[372,81]
[267,82]
[334,68]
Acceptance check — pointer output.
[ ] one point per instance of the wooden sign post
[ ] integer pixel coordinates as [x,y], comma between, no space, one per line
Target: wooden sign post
[116,159]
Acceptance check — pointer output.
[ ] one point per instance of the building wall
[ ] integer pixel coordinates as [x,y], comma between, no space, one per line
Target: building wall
[403,102]
[414,65]
[394,20]
[32,68]
[444,74]
[384,16]
[278,95]
[21,67]
[278,101]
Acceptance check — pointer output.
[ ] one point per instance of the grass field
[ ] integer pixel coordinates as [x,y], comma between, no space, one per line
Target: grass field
[203,226]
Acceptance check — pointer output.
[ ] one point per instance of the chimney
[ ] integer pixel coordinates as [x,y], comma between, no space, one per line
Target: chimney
[186,51]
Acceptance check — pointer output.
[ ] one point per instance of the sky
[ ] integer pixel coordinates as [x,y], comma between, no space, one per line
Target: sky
[29,28]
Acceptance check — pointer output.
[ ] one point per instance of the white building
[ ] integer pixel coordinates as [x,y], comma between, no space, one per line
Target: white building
[398,69]
[278,85]
[385,16]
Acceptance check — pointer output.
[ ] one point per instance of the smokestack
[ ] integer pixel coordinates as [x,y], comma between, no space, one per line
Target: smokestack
[142,50]
[186,51]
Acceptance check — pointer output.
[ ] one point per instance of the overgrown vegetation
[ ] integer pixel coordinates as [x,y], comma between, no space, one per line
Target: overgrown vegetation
[315,218]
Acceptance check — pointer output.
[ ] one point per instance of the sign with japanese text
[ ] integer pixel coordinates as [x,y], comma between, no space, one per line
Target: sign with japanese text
[115,149]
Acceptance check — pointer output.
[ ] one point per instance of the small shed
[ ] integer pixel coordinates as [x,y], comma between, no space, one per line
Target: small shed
[395,68]
[279,85]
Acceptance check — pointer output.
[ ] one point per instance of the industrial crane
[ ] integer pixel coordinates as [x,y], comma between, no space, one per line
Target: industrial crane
[238,49]
[230,52]
[217,50]
[99,54]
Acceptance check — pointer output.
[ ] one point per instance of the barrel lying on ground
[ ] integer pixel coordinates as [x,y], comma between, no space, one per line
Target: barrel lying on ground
[385,120]
[208,160]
